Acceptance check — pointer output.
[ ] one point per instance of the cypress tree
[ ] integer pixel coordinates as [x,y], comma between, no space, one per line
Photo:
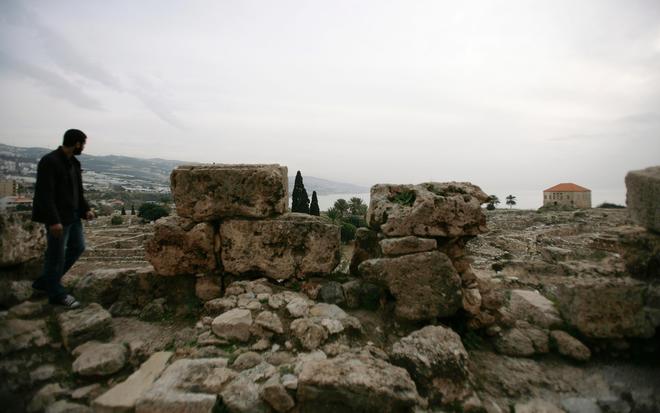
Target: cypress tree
[299,197]
[314,207]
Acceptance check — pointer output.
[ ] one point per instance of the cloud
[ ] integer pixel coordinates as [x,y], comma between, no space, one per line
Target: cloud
[55,84]
[155,101]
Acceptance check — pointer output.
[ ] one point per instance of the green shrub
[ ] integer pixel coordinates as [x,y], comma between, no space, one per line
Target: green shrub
[347,231]
[150,211]
[610,205]
[116,220]
[357,221]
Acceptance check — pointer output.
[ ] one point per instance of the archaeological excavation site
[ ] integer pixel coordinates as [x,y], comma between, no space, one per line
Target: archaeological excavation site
[234,304]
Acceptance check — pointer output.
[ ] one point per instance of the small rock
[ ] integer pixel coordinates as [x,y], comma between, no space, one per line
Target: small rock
[247,361]
[233,325]
[333,326]
[86,393]
[242,396]
[569,346]
[270,321]
[45,397]
[16,334]
[332,292]
[220,305]
[218,379]
[261,345]
[279,357]
[290,381]
[275,394]
[310,334]
[43,373]
[276,301]
[298,307]
[102,359]
[27,309]
[260,372]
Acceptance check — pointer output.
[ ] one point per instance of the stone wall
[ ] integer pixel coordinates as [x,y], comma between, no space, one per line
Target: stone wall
[232,219]
[415,248]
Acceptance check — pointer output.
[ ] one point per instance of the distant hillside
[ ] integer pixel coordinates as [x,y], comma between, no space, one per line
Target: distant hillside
[326,187]
[157,171]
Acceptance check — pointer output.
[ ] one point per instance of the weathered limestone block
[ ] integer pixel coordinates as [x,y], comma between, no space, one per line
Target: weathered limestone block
[18,335]
[276,395]
[534,308]
[89,323]
[293,245]
[607,308]
[367,246]
[122,397]
[407,245]
[569,346]
[180,246]
[212,192]
[643,197]
[524,340]
[242,396]
[233,325]
[432,209]
[181,388]
[355,383]
[437,361]
[21,240]
[424,285]
[100,359]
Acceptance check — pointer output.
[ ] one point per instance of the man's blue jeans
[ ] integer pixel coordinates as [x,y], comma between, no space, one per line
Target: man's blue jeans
[61,253]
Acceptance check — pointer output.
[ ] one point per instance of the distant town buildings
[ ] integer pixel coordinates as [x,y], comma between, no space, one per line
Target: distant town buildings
[8,187]
[567,194]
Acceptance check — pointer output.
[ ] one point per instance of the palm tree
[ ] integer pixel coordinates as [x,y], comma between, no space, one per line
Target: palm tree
[492,201]
[357,207]
[341,206]
[333,214]
[510,201]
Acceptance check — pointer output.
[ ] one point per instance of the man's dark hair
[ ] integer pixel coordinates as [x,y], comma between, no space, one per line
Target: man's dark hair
[73,136]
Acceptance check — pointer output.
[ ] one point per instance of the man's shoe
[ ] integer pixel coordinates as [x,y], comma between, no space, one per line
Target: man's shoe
[67,301]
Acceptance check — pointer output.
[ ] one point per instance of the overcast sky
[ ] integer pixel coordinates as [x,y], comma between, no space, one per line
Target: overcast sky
[506,94]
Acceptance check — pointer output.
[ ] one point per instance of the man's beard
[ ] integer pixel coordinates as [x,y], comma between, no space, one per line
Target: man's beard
[77,151]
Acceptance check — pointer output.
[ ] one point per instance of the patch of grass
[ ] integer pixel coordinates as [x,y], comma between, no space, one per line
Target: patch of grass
[53,329]
[286,369]
[405,198]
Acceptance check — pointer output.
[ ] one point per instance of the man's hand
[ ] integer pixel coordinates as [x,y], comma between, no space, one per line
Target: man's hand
[90,215]
[56,230]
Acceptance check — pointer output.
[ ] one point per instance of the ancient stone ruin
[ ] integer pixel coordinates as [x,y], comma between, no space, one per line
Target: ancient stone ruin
[232,220]
[249,308]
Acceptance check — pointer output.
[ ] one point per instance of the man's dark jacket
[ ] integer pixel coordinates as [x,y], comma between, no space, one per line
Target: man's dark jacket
[54,192]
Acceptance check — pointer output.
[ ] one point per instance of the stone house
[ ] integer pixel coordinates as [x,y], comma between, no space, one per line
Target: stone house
[567,194]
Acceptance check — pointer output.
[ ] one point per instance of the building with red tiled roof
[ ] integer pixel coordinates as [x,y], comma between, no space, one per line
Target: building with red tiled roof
[567,194]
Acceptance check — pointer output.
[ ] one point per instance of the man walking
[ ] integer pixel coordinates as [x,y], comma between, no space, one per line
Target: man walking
[59,203]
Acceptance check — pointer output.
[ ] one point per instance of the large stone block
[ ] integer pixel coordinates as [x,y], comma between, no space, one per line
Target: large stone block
[180,246]
[355,383]
[122,397]
[608,308]
[21,240]
[437,361]
[89,323]
[432,209]
[424,285]
[211,192]
[183,387]
[643,197]
[293,245]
